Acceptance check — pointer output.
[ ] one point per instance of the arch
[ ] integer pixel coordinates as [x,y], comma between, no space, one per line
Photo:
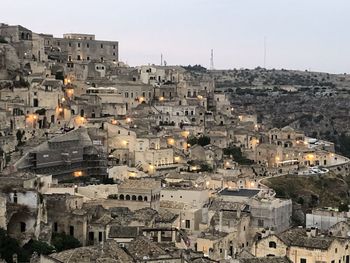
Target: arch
[22,35]
[139,198]
[133,198]
[121,197]
[145,199]
[127,197]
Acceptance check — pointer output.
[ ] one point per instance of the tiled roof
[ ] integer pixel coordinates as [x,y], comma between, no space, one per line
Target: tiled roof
[141,248]
[266,260]
[298,237]
[109,252]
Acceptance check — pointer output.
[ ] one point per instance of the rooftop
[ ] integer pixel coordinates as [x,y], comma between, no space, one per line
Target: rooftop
[239,192]
[109,251]
[142,184]
[266,260]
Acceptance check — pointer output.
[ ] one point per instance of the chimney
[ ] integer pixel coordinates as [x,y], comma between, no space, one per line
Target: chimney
[313,231]
[308,232]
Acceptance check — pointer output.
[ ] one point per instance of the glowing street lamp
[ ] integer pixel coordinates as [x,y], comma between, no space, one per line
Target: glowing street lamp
[171,141]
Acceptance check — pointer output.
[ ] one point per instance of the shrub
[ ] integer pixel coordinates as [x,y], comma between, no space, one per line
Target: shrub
[62,241]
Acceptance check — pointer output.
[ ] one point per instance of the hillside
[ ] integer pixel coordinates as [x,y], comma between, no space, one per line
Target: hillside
[311,191]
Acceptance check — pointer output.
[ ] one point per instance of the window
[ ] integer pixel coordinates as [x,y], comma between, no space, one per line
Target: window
[78,44]
[69,58]
[23,227]
[87,58]
[113,53]
[71,230]
[15,199]
[272,244]
[55,227]
[101,45]
[91,236]
[100,236]
[113,46]
[87,45]
[70,44]
[78,57]
[188,223]
[303,260]
[260,222]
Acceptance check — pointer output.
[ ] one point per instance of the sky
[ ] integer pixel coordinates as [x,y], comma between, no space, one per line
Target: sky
[296,34]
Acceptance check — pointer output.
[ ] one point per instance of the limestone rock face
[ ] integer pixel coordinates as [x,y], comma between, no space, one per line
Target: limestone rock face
[9,61]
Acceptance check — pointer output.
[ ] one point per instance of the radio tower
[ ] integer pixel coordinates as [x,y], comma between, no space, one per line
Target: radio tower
[212,60]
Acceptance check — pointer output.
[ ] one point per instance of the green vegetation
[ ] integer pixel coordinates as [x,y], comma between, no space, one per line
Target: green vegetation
[203,140]
[237,155]
[312,191]
[206,168]
[10,246]
[196,68]
[19,136]
[3,40]
[62,241]
[344,144]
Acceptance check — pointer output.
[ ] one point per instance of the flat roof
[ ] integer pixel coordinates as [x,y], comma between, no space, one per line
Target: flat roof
[239,192]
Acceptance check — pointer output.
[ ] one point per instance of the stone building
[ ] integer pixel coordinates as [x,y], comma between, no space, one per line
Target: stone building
[302,246]
[82,47]
[20,38]
[137,194]
[75,154]
[266,210]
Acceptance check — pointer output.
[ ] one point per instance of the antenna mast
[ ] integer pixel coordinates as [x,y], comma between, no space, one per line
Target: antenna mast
[264,52]
[212,60]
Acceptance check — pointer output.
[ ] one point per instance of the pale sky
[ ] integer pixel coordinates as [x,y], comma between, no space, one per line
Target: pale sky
[300,34]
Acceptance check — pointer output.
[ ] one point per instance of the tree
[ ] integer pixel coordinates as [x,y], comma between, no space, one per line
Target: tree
[237,155]
[3,40]
[8,247]
[19,136]
[192,140]
[42,248]
[62,241]
[343,207]
[203,140]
